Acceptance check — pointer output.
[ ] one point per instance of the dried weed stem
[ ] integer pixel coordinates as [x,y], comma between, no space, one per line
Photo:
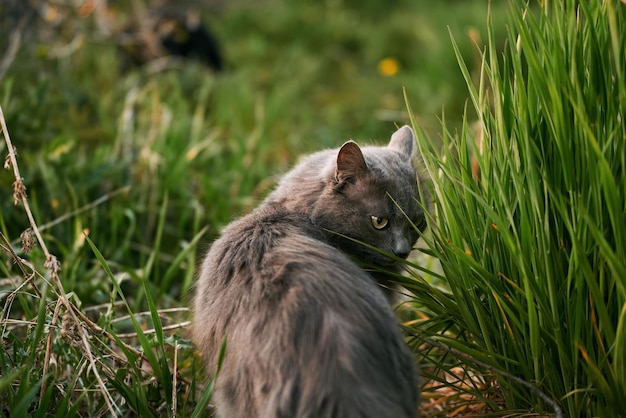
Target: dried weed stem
[54,267]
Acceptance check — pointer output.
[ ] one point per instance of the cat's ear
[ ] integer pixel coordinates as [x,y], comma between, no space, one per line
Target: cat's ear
[403,140]
[350,162]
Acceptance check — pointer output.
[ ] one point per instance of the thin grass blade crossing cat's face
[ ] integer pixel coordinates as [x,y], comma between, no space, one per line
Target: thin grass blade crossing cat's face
[372,201]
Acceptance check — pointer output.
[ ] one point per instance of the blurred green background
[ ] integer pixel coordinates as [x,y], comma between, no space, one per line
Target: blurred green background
[297,77]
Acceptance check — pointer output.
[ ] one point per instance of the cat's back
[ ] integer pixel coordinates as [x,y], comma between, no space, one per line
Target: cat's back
[309,333]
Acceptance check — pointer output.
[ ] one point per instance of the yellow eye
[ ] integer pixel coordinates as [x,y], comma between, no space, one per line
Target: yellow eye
[379,223]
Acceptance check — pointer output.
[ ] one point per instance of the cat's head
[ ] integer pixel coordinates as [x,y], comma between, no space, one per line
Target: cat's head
[371,200]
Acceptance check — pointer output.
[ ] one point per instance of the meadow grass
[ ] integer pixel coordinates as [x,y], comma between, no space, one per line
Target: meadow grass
[130,173]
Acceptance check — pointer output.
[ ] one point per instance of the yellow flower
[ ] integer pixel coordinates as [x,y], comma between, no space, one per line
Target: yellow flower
[388,67]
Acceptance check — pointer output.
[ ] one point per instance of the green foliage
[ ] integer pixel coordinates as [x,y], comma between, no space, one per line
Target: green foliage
[533,248]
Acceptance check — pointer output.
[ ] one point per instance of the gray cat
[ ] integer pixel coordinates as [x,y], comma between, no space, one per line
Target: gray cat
[309,331]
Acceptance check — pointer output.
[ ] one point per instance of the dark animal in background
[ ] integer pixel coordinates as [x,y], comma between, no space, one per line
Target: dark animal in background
[163,33]
[190,40]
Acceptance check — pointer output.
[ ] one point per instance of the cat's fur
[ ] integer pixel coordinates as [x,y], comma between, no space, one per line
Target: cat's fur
[309,332]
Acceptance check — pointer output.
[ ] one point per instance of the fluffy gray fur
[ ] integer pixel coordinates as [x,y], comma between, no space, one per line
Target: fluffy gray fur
[309,332]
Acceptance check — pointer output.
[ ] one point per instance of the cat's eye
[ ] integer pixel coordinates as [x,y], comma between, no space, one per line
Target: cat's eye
[420,224]
[379,222]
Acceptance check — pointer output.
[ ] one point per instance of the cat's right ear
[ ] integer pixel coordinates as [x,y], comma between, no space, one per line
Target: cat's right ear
[350,162]
[403,140]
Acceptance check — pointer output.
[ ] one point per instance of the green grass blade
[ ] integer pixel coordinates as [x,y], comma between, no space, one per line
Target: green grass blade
[203,402]
[146,345]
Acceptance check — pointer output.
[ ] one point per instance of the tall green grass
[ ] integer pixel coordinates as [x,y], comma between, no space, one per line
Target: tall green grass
[533,249]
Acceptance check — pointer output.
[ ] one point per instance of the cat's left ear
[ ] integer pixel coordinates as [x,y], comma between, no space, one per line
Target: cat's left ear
[403,140]
[350,162]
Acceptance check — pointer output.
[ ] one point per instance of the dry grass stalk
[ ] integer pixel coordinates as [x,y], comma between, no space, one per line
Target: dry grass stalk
[54,267]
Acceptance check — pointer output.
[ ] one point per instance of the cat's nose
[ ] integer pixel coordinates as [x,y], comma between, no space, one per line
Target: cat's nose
[402,248]
[401,254]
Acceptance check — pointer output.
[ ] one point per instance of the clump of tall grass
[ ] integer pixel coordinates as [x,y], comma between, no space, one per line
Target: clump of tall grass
[532,242]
